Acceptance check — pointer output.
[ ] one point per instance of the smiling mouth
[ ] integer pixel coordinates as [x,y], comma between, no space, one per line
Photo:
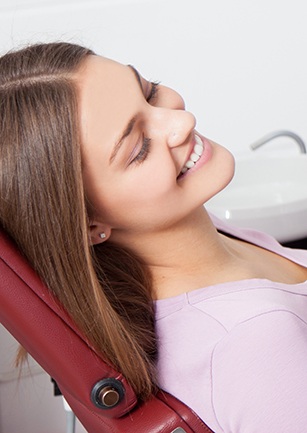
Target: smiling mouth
[194,157]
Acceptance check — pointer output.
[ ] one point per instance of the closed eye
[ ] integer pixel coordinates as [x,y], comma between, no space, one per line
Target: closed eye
[153,91]
[144,151]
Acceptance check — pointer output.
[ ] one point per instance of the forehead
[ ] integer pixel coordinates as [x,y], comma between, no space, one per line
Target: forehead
[109,96]
[100,73]
[104,86]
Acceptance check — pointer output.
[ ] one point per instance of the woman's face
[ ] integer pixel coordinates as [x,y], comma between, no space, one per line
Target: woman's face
[137,139]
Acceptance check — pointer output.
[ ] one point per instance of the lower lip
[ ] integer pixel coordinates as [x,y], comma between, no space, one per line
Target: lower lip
[205,157]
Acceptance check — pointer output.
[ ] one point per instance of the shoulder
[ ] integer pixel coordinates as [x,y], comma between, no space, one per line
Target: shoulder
[259,375]
[261,239]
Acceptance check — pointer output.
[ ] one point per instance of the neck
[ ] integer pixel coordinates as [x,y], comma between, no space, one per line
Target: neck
[183,257]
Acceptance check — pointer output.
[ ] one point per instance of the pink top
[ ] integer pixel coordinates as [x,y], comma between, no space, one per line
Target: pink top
[236,352]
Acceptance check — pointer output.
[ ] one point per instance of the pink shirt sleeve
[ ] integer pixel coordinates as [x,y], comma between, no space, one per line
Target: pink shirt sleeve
[259,376]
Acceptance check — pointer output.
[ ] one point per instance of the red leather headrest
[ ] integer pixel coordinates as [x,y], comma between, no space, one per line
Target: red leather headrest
[45,330]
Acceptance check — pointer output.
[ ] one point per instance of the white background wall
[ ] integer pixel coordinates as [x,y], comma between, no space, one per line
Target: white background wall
[241,66]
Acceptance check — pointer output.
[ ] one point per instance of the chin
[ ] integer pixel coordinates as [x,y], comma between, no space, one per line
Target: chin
[223,167]
[229,166]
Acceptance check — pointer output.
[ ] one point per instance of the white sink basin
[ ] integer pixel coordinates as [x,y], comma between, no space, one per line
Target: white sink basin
[268,193]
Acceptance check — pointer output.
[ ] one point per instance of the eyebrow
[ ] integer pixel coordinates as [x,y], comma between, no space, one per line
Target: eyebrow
[131,123]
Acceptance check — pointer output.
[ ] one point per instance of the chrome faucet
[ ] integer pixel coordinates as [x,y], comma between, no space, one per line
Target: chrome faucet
[276,134]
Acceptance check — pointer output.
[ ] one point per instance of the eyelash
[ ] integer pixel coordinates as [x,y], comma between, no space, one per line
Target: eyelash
[144,152]
[145,149]
[153,91]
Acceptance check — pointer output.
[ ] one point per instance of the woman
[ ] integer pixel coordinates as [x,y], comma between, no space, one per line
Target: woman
[103,180]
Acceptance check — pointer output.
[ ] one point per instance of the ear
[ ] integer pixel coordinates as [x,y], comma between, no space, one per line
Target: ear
[99,233]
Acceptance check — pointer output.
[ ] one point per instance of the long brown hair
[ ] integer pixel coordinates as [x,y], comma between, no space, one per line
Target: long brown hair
[43,207]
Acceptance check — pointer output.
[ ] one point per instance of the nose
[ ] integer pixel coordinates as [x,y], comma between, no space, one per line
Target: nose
[181,125]
[173,126]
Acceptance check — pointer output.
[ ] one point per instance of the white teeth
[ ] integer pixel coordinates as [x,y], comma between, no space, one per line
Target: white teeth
[189,164]
[198,148]
[196,154]
[194,157]
[198,140]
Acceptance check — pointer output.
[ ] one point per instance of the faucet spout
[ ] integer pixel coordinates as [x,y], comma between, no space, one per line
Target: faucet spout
[281,133]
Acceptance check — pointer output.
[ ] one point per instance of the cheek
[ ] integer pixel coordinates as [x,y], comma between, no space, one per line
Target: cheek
[153,188]
[137,205]
[152,180]
[136,196]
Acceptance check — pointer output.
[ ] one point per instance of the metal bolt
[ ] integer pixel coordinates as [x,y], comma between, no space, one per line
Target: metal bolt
[108,396]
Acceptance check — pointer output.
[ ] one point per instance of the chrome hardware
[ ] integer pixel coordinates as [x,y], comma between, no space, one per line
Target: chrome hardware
[108,396]
[107,393]
[276,134]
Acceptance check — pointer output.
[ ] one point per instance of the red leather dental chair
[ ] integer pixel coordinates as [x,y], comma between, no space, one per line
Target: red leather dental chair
[99,396]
